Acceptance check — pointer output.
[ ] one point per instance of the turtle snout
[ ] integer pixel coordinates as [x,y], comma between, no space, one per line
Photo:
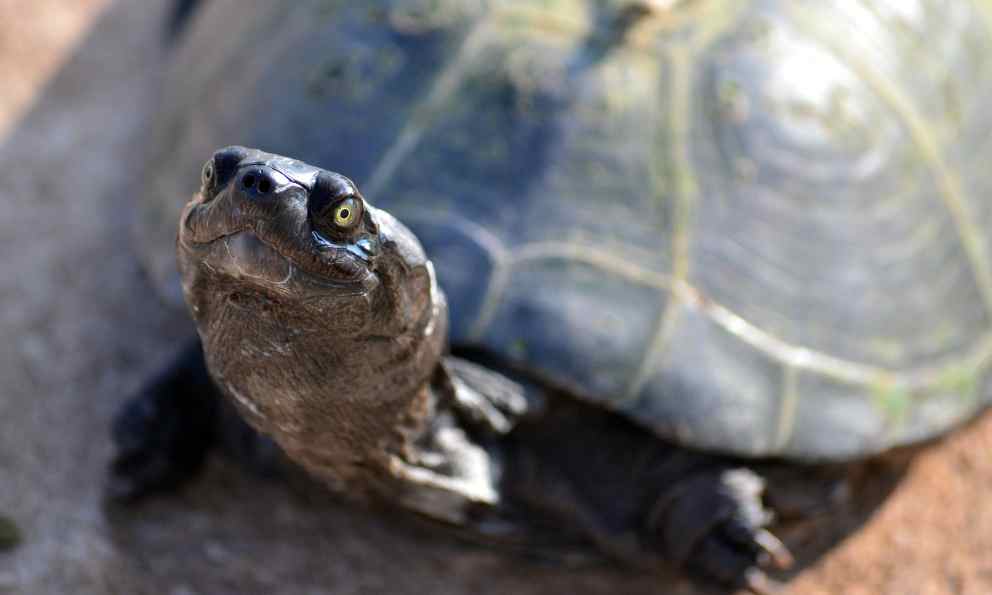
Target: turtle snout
[257,184]
[260,184]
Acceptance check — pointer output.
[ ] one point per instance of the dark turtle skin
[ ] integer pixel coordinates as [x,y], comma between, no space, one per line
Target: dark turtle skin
[706,232]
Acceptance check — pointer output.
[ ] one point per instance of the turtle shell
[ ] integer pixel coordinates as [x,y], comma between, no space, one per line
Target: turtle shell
[758,227]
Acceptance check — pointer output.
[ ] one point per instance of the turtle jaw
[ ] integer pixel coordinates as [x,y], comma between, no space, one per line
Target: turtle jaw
[243,260]
[232,252]
[234,236]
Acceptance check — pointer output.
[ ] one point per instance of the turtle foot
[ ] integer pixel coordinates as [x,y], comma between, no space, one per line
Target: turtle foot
[162,435]
[482,397]
[714,526]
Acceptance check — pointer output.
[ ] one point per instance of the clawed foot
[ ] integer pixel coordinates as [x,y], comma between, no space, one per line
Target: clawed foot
[484,398]
[714,526]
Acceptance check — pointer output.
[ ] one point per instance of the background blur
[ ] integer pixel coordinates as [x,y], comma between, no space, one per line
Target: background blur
[81,327]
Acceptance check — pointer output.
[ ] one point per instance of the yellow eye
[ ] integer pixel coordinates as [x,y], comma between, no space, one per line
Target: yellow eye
[346,213]
[208,174]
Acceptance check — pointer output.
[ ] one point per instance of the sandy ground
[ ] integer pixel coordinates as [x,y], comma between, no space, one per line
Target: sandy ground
[83,327]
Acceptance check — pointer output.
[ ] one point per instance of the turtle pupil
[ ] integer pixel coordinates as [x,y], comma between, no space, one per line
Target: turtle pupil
[345,213]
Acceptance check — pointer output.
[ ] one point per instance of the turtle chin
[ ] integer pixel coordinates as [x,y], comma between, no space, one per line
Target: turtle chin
[242,256]
[240,276]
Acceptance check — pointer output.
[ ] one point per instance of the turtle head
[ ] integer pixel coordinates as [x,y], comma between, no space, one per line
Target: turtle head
[314,307]
[304,237]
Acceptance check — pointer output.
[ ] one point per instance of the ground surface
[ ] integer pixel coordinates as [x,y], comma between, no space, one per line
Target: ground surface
[82,327]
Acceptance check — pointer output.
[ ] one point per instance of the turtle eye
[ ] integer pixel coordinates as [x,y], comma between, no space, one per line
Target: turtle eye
[346,213]
[336,208]
[337,218]
[223,166]
[207,176]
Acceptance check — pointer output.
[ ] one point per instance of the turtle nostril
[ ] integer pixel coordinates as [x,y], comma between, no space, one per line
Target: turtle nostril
[264,185]
[248,181]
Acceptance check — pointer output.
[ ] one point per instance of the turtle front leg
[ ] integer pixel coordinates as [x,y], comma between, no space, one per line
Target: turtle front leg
[452,471]
[162,435]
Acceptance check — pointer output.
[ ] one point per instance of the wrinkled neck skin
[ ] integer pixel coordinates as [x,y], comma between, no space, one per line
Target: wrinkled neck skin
[337,377]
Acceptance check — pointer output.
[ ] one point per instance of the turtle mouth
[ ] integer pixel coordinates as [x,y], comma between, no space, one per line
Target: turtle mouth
[282,257]
[241,255]
[241,263]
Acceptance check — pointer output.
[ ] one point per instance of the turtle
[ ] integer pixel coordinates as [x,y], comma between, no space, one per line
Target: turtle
[614,255]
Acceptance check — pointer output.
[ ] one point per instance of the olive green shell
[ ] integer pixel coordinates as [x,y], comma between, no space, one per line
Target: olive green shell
[754,227]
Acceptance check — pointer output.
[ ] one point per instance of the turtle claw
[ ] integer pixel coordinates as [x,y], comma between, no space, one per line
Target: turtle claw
[486,399]
[757,582]
[713,524]
[779,555]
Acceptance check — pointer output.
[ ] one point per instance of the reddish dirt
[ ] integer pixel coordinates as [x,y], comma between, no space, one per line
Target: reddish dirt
[932,536]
